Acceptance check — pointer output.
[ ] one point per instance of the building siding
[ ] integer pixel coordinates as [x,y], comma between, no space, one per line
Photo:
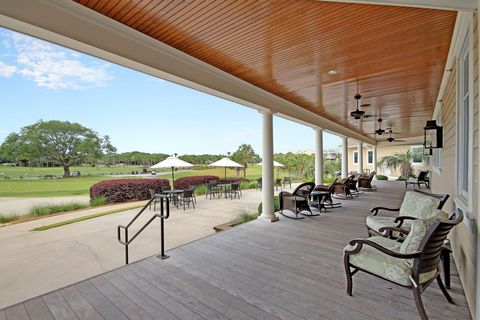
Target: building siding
[463,238]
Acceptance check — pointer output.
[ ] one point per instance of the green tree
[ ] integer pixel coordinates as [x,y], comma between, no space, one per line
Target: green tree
[245,155]
[62,142]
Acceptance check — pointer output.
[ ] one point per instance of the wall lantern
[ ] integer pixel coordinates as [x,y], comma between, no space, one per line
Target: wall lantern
[433,135]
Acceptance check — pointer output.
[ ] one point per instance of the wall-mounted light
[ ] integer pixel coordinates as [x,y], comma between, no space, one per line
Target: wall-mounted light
[433,135]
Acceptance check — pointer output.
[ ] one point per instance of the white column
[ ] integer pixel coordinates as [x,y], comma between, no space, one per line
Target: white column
[344,157]
[360,157]
[374,149]
[267,168]
[318,156]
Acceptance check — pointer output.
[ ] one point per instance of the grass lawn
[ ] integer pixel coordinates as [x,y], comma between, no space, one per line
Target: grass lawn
[28,172]
[28,188]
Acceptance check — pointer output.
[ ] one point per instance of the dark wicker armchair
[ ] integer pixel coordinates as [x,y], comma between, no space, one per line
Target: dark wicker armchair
[413,264]
[421,179]
[297,201]
[365,181]
[342,189]
[328,200]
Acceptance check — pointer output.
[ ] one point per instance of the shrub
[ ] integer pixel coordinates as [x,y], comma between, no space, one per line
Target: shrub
[8,218]
[98,201]
[381,177]
[44,210]
[230,180]
[124,190]
[401,178]
[276,205]
[244,217]
[184,182]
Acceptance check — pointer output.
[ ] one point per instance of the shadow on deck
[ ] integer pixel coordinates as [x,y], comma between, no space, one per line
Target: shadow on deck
[291,269]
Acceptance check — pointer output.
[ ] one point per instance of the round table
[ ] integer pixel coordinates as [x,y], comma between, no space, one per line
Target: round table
[173,194]
[318,198]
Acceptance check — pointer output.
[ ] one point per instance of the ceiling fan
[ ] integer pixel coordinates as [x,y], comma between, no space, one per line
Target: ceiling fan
[359,114]
[392,139]
[379,131]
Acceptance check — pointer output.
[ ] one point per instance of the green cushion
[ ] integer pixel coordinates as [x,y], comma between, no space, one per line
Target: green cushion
[419,205]
[413,239]
[383,265]
[377,222]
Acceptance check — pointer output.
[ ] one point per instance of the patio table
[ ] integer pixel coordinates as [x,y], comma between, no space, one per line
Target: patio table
[318,198]
[173,194]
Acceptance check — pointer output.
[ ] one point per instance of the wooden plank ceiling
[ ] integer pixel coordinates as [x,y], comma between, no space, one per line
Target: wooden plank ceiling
[311,53]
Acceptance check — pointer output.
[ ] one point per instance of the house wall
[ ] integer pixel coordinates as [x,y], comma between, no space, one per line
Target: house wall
[463,237]
[382,151]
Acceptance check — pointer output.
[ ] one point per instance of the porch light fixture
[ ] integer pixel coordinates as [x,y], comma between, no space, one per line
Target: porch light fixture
[433,136]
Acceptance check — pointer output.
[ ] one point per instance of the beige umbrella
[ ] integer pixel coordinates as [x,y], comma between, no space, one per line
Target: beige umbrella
[172,162]
[226,163]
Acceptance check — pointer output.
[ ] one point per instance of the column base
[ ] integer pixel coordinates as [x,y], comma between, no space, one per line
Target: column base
[268,217]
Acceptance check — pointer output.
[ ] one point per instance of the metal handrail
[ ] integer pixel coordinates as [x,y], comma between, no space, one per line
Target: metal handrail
[164,214]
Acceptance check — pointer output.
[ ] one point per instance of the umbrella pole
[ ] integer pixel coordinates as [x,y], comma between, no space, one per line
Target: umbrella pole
[173,179]
[225,172]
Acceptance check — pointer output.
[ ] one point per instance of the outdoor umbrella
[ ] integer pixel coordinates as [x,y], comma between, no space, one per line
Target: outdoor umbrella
[275,164]
[172,162]
[226,163]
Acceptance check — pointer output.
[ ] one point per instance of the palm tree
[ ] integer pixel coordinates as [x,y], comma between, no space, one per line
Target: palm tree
[402,160]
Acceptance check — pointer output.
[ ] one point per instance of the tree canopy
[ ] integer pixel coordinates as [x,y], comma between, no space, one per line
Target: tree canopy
[245,155]
[63,142]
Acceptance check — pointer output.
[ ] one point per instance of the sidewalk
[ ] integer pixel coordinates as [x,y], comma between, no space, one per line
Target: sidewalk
[35,262]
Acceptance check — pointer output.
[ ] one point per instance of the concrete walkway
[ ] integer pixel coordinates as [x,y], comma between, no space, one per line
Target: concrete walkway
[22,206]
[32,263]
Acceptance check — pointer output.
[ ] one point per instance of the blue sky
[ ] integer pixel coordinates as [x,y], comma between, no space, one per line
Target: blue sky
[40,80]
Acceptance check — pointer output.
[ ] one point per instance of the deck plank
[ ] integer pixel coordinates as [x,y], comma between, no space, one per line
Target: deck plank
[38,310]
[288,270]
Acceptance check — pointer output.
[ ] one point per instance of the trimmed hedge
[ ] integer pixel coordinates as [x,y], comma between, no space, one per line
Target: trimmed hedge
[124,190]
[183,183]
[381,177]
[230,180]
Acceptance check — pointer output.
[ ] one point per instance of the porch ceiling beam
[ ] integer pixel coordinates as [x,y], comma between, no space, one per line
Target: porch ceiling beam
[72,25]
[467,5]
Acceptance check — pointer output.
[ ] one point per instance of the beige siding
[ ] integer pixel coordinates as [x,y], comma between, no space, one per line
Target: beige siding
[463,239]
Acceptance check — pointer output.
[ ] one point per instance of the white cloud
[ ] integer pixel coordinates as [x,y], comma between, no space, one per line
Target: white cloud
[56,68]
[6,71]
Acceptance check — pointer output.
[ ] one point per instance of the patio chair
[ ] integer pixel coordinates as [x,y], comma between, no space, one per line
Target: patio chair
[212,190]
[416,204]
[234,191]
[287,180]
[278,183]
[153,195]
[413,264]
[297,201]
[193,187]
[342,188]
[187,197]
[422,178]
[259,184]
[328,200]
[365,181]
[165,188]
[353,185]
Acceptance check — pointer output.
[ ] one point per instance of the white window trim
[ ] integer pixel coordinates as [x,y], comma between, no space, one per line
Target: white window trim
[353,157]
[464,201]
[368,156]
[414,162]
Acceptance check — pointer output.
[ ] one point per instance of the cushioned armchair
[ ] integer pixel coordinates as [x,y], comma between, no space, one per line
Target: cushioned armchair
[413,264]
[328,200]
[422,178]
[297,201]
[342,189]
[416,204]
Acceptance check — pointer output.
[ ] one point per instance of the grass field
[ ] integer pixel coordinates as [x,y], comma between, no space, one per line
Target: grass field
[29,172]
[28,188]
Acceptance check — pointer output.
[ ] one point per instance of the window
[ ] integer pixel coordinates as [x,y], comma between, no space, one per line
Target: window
[355,157]
[464,123]
[436,155]
[417,154]
[370,156]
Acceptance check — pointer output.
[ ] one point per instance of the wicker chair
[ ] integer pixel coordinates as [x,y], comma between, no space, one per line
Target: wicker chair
[343,188]
[153,195]
[421,179]
[416,204]
[235,191]
[187,198]
[287,180]
[413,264]
[353,185]
[365,181]
[328,200]
[297,201]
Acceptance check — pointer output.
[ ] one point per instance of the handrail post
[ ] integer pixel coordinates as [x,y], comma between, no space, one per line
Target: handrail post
[126,246]
[162,227]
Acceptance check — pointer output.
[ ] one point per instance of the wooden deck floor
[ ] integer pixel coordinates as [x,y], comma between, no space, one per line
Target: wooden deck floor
[291,269]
